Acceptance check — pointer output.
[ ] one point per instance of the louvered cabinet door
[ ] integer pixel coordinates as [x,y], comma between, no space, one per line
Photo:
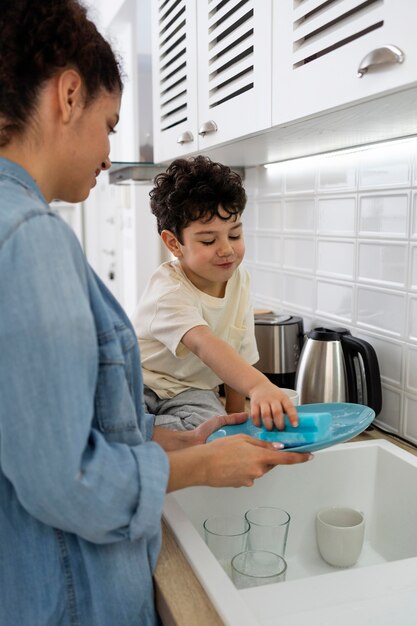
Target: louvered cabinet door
[234,69]
[174,78]
[330,53]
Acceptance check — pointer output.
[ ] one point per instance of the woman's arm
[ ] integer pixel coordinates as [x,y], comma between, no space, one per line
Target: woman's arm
[227,462]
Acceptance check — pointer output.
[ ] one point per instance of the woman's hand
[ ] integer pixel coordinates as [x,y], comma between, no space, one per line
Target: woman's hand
[171,440]
[235,461]
[268,404]
[239,460]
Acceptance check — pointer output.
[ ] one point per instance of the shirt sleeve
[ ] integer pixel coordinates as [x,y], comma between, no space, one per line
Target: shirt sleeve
[63,470]
[177,312]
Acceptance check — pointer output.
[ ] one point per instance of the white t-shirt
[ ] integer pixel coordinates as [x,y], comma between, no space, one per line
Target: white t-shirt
[170,306]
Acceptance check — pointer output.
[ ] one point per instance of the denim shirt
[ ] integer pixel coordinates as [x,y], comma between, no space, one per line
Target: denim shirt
[81,484]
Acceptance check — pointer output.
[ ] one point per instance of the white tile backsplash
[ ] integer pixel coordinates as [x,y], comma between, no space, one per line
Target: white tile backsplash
[386,165]
[412,319]
[299,214]
[384,263]
[298,254]
[270,215]
[410,418]
[336,216]
[411,375]
[382,310]
[299,179]
[335,299]
[337,173]
[414,217]
[298,292]
[269,250]
[268,284]
[383,215]
[390,416]
[334,240]
[336,258]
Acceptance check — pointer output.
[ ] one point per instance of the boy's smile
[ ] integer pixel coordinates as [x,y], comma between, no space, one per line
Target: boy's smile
[210,252]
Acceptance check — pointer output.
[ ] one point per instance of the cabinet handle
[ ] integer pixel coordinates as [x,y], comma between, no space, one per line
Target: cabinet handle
[380,56]
[208,127]
[186,137]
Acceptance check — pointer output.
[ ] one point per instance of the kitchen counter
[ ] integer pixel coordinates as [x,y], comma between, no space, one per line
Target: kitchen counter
[180,598]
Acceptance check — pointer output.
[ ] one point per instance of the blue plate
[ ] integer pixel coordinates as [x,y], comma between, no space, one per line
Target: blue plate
[348,420]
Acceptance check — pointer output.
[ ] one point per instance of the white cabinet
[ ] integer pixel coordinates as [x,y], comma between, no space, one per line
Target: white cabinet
[174,78]
[319,46]
[211,73]
[127,25]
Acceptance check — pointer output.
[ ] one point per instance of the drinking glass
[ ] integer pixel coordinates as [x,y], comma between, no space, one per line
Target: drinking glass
[268,529]
[253,568]
[226,536]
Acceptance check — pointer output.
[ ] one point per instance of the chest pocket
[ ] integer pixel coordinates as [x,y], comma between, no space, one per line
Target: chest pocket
[235,337]
[115,412]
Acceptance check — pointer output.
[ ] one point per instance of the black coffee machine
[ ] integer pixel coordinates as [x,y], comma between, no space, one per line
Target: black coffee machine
[279,338]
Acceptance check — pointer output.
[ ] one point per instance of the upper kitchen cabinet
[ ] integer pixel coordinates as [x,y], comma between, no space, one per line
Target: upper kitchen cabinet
[211,73]
[174,78]
[127,24]
[330,53]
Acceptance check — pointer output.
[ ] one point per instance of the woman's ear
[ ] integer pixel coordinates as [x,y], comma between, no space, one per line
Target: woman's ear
[70,93]
[171,243]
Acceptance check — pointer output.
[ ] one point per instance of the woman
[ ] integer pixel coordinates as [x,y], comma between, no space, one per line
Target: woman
[83,472]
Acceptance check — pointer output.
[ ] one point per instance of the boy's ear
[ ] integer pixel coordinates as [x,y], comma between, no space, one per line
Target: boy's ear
[171,243]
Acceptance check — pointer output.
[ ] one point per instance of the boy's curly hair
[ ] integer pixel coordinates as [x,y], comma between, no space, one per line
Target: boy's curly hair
[193,189]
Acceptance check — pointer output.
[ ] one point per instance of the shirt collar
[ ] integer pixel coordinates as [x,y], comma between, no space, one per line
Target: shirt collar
[13,170]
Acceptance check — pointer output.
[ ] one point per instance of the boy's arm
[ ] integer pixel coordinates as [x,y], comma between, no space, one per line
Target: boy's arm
[267,400]
[235,401]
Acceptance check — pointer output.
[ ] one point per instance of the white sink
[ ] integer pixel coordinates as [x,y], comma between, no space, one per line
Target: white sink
[376,477]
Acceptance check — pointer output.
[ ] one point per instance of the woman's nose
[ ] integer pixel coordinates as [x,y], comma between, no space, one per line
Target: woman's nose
[106,164]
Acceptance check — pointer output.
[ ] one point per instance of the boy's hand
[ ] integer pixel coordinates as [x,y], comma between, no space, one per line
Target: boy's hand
[268,404]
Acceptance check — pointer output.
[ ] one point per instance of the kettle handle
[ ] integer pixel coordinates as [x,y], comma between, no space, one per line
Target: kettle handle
[351,347]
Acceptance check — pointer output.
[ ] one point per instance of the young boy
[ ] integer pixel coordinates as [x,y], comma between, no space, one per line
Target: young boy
[194,321]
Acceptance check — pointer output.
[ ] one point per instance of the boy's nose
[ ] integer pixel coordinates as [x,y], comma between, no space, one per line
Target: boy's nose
[225,249]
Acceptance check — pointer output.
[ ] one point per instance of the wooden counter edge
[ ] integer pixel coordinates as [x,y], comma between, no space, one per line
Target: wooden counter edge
[180,598]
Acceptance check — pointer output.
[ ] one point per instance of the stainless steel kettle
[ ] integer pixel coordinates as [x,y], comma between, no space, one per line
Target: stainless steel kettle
[334,366]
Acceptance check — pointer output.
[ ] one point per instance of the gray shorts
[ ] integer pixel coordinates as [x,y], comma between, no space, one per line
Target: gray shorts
[186,410]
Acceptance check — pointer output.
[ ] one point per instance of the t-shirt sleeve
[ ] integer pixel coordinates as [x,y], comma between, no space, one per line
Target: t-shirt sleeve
[176,313]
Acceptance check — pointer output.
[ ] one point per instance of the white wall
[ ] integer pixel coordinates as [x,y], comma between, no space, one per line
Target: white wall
[334,239]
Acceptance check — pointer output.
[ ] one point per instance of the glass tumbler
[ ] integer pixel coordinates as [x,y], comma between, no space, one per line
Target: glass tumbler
[254,568]
[268,529]
[226,536]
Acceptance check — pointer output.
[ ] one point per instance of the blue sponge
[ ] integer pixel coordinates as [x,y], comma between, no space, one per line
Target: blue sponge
[312,427]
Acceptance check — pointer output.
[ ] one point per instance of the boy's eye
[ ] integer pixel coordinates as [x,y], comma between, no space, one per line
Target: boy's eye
[112,131]
[234,236]
[208,243]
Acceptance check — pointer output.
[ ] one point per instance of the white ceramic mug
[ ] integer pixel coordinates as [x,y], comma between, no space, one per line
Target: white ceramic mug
[340,533]
[292,394]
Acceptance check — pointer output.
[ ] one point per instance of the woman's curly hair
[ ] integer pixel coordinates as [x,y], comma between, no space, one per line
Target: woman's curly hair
[37,40]
[194,189]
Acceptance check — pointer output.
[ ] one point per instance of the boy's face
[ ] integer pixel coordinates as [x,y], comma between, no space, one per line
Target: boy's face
[211,252]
